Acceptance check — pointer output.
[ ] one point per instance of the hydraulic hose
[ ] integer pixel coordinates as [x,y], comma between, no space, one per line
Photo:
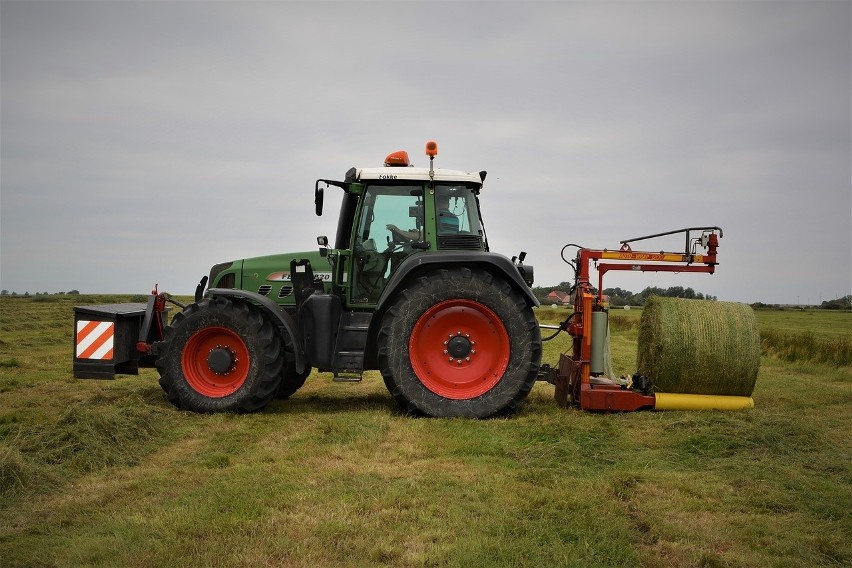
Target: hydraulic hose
[562,327]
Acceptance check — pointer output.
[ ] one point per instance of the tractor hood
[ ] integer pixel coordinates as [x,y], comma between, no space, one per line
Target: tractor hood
[267,275]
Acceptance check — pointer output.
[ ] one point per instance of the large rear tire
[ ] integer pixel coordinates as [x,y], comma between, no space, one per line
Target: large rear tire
[220,355]
[459,342]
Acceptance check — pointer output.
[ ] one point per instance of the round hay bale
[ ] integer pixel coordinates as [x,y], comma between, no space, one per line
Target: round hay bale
[699,346]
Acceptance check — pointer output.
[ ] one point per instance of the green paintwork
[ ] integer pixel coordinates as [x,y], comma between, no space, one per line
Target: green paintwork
[269,275]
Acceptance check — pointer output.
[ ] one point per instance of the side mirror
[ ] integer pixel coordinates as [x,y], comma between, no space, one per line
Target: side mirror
[318,195]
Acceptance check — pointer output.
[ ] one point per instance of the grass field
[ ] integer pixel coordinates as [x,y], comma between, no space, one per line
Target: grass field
[107,473]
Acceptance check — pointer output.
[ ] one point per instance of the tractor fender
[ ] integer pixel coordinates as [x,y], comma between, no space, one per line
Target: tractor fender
[492,262]
[282,319]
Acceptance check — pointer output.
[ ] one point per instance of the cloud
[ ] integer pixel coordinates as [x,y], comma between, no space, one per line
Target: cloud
[145,141]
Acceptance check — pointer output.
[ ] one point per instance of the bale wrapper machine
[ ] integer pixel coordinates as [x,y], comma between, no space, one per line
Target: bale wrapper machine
[579,378]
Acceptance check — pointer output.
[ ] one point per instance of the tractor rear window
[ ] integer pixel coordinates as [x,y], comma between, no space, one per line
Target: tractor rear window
[457,210]
[458,223]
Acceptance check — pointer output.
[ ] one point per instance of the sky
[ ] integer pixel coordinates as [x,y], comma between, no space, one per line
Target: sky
[143,142]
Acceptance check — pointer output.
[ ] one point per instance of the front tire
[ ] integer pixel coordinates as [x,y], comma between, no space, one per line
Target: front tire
[459,342]
[220,355]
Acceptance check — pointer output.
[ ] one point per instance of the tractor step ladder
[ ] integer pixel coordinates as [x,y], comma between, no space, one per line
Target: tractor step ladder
[346,377]
[351,343]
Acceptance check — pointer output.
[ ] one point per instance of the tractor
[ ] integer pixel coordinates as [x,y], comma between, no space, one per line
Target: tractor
[408,288]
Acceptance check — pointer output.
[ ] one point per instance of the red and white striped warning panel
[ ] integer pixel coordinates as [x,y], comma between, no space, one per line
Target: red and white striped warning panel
[95,339]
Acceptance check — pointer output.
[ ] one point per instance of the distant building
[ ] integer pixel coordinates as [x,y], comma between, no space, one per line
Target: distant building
[559,297]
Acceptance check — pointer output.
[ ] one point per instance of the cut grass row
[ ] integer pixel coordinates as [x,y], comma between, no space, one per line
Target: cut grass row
[349,479]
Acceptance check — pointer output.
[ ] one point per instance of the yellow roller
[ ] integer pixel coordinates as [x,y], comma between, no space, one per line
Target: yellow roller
[669,401]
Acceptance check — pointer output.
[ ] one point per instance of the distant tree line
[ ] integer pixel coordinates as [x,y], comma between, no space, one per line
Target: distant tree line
[27,294]
[844,303]
[617,296]
[621,297]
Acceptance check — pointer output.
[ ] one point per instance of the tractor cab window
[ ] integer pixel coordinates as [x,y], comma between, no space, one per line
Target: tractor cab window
[391,220]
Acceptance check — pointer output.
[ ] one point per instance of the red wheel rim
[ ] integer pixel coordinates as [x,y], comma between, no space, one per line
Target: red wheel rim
[459,349]
[196,362]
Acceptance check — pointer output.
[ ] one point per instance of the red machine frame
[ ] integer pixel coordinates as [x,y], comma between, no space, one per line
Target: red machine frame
[574,380]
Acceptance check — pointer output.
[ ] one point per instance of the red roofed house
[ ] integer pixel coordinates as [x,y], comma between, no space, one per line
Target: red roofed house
[559,297]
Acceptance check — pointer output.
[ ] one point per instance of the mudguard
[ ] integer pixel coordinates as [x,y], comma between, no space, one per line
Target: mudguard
[494,263]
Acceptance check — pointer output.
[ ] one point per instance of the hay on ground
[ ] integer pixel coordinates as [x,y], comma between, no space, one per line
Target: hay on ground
[699,346]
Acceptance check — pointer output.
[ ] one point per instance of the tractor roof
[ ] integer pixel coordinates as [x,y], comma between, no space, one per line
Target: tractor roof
[416,174]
